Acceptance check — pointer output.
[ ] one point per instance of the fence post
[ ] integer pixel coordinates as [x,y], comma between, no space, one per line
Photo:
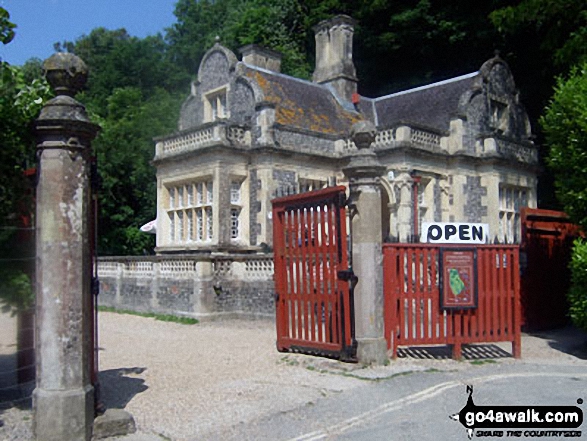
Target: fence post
[363,172]
[63,401]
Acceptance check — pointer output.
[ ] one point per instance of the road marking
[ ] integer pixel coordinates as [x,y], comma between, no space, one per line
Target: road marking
[417,397]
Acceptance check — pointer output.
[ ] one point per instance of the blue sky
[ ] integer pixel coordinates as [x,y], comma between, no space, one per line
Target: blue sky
[44,22]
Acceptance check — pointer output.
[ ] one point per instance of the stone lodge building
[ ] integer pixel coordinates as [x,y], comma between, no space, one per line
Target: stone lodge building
[455,151]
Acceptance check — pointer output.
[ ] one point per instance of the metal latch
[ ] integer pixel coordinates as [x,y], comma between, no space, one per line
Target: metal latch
[348,276]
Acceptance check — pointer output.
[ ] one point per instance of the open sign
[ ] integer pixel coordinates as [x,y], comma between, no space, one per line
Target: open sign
[454,232]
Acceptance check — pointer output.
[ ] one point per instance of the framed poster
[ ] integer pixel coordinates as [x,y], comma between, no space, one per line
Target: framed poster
[458,278]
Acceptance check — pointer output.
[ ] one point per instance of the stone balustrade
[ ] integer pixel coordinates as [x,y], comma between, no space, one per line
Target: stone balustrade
[212,134]
[197,286]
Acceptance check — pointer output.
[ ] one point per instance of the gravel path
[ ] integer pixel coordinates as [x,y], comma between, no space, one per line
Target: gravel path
[187,382]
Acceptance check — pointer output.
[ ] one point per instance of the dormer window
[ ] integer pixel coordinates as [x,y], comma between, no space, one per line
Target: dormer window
[215,105]
[499,115]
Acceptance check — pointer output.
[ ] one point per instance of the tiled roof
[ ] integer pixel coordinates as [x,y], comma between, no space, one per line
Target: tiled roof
[303,104]
[431,106]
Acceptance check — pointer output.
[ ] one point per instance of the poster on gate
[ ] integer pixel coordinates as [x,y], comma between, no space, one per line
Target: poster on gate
[458,278]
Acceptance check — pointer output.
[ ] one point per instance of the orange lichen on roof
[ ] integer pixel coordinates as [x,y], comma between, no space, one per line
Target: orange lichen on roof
[303,105]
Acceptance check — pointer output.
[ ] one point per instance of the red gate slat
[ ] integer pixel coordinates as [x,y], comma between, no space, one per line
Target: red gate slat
[412,299]
[502,291]
[507,326]
[323,280]
[304,272]
[313,310]
[298,275]
[312,273]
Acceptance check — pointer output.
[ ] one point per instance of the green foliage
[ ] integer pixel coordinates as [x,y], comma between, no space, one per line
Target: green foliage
[420,40]
[560,27]
[21,98]
[22,94]
[578,293]
[6,27]
[543,40]
[132,94]
[565,127]
[16,268]
[278,25]
[124,149]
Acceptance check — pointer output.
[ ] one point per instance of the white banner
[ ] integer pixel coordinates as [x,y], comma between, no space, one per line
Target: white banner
[454,232]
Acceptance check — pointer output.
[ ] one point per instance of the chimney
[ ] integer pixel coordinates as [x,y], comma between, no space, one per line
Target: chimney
[255,55]
[334,56]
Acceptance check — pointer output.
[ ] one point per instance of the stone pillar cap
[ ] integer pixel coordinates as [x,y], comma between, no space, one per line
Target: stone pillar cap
[363,134]
[66,73]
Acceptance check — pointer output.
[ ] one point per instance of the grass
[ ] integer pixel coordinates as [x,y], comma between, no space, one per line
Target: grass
[160,317]
[481,362]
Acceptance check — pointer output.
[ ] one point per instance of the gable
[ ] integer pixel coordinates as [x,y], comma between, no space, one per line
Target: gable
[216,67]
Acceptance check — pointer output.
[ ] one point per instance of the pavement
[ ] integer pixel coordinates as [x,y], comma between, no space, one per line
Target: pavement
[225,380]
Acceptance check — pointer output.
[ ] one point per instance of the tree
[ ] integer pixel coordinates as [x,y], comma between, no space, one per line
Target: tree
[565,127]
[420,41]
[544,39]
[124,150]
[23,92]
[6,27]
[132,92]
[558,28]
[278,25]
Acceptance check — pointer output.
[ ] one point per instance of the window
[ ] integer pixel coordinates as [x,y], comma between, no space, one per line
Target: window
[499,114]
[511,200]
[209,225]
[190,212]
[235,208]
[234,223]
[235,192]
[215,105]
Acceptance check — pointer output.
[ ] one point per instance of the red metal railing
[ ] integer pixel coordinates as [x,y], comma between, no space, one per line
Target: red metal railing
[313,303]
[413,313]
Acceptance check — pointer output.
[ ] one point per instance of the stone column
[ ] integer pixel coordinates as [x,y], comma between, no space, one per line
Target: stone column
[405,211]
[63,401]
[364,172]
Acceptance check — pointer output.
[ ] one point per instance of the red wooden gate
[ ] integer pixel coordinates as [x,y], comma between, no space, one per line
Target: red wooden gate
[547,240]
[314,304]
[413,313]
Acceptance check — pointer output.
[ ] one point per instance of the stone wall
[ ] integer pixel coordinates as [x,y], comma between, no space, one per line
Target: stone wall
[196,286]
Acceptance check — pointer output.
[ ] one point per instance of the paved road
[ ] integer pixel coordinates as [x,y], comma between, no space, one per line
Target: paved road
[417,406]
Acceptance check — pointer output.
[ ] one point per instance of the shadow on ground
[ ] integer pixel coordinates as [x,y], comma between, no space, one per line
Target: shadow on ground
[12,392]
[569,340]
[468,352]
[119,386]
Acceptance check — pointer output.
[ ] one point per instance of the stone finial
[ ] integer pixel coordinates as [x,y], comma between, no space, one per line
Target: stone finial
[363,134]
[66,73]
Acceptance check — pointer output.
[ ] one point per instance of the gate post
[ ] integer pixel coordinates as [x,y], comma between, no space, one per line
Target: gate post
[63,401]
[363,172]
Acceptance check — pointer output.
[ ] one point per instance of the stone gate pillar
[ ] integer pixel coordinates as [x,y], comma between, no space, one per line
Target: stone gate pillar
[63,401]
[364,172]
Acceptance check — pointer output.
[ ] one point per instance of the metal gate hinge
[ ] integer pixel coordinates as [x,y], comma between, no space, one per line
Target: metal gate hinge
[348,276]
